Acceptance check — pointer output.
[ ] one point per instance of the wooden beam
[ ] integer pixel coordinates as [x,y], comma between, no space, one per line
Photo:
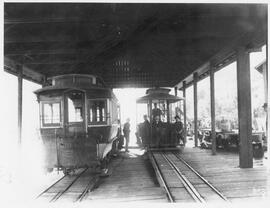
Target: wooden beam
[265,81]
[175,91]
[201,70]
[55,62]
[53,59]
[151,120]
[64,37]
[267,123]
[44,51]
[185,112]
[212,105]
[10,66]
[244,108]
[17,21]
[20,88]
[195,99]
[41,39]
[71,18]
[257,38]
[168,112]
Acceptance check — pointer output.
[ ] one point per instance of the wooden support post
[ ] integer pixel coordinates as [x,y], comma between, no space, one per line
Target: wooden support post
[20,86]
[195,97]
[150,111]
[185,111]
[244,108]
[265,81]
[212,105]
[175,91]
[151,120]
[267,109]
[168,112]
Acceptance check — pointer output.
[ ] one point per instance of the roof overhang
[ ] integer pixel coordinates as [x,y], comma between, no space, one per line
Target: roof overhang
[128,45]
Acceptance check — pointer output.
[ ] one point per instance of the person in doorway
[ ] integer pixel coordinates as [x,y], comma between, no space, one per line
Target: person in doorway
[145,131]
[157,130]
[156,111]
[120,136]
[126,131]
[178,128]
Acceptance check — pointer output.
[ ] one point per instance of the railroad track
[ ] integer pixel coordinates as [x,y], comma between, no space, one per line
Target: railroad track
[181,181]
[82,183]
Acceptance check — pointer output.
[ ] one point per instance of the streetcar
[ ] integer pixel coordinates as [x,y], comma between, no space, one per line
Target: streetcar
[161,109]
[79,122]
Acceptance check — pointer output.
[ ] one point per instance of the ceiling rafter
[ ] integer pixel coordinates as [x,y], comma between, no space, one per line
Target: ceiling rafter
[168,41]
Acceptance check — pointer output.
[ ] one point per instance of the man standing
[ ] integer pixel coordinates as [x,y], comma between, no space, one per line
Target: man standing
[156,111]
[178,127]
[145,131]
[126,132]
[157,131]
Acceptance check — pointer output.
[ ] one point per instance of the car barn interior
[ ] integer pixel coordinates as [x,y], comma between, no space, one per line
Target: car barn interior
[124,102]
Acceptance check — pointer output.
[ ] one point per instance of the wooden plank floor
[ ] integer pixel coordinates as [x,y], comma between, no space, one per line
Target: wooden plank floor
[222,170]
[132,179]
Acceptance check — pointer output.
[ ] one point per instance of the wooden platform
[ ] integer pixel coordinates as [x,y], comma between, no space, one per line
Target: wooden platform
[222,170]
[132,179]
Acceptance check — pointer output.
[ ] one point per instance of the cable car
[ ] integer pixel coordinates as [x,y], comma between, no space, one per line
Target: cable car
[79,121]
[162,109]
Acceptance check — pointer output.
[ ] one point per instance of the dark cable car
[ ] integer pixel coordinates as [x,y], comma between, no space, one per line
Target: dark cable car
[79,122]
[161,108]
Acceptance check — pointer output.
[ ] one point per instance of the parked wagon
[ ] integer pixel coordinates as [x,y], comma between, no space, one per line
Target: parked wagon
[230,140]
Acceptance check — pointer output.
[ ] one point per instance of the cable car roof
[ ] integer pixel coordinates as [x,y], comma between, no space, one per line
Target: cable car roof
[100,90]
[159,96]
[52,88]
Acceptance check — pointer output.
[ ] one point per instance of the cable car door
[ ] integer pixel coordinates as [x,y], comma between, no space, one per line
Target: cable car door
[74,112]
[74,130]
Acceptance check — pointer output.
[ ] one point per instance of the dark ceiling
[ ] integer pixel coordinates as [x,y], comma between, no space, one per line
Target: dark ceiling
[128,45]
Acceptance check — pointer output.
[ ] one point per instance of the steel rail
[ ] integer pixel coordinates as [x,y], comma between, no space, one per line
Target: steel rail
[187,184]
[90,186]
[93,183]
[169,194]
[202,178]
[43,192]
[60,193]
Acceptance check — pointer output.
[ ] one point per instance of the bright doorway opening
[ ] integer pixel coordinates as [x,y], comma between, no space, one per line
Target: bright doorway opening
[127,100]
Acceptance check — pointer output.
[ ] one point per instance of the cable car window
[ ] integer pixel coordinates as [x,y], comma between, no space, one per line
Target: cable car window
[75,107]
[61,81]
[84,80]
[175,110]
[160,108]
[97,111]
[51,114]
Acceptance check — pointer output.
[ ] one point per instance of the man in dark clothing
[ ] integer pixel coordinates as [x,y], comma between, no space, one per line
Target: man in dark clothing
[120,137]
[157,130]
[178,128]
[145,131]
[156,111]
[126,132]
